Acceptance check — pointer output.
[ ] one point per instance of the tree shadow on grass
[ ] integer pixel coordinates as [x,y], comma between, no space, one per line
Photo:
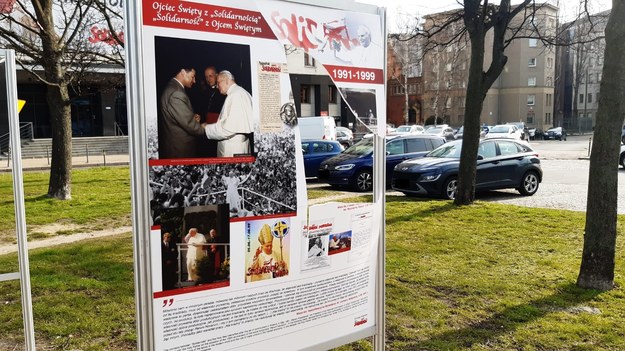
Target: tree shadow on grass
[507,321]
[435,208]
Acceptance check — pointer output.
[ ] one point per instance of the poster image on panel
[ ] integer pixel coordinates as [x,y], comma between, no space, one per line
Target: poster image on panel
[191,94]
[194,249]
[340,242]
[264,188]
[267,249]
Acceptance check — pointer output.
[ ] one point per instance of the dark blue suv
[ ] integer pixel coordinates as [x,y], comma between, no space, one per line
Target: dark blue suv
[354,166]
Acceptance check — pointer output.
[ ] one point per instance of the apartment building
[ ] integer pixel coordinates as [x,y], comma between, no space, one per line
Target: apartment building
[523,92]
[580,69]
[404,81]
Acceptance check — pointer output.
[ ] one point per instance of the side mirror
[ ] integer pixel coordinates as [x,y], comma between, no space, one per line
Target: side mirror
[480,157]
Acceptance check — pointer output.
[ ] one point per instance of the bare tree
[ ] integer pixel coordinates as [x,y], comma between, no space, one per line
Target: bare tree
[59,42]
[597,267]
[408,65]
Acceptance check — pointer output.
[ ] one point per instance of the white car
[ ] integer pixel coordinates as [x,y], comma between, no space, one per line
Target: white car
[408,129]
[621,158]
[508,131]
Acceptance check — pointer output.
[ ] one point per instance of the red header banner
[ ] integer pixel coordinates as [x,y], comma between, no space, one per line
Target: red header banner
[205,18]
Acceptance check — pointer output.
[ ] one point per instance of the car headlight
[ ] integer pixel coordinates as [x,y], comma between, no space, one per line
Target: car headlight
[429,177]
[346,167]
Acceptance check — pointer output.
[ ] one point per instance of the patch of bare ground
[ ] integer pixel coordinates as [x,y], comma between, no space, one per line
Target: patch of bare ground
[62,233]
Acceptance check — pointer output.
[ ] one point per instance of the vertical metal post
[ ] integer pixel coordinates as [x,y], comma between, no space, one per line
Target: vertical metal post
[48,154]
[103,157]
[139,175]
[87,152]
[379,198]
[18,198]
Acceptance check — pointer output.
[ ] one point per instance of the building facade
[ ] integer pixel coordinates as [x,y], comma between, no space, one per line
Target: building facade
[523,92]
[580,68]
[404,81]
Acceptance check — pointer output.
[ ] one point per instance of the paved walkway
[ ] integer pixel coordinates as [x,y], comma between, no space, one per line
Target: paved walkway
[43,164]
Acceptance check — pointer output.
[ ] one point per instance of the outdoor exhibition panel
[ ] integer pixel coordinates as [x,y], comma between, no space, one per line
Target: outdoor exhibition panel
[228,252]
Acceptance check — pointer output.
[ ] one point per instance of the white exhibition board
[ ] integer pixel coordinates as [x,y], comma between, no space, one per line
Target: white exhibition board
[263,264]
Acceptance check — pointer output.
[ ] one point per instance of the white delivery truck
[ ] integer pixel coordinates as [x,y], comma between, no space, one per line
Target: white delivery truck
[317,128]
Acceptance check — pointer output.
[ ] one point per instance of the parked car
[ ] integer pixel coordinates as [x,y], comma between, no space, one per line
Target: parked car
[621,158]
[557,133]
[345,139]
[408,129]
[345,130]
[525,132]
[502,163]
[389,130]
[354,166]
[623,135]
[536,134]
[508,131]
[460,133]
[317,151]
[443,132]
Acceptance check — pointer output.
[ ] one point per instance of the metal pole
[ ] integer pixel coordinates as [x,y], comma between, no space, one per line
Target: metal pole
[18,196]
[48,154]
[379,198]
[585,97]
[139,175]
[104,156]
[87,151]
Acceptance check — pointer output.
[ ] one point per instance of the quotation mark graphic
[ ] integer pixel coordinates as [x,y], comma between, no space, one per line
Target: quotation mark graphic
[168,302]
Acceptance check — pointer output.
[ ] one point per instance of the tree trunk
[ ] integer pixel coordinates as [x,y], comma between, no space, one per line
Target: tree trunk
[465,194]
[61,120]
[597,267]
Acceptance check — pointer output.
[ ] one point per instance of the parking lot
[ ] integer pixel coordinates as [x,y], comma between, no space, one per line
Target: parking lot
[565,177]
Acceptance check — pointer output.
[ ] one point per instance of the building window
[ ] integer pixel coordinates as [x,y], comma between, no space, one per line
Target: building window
[448,103]
[581,98]
[532,62]
[549,81]
[548,99]
[449,84]
[547,118]
[533,42]
[304,94]
[530,118]
[308,60]
[589,115]
[589,98]
[332,94]
[549,62]
[531,99]
[531,81]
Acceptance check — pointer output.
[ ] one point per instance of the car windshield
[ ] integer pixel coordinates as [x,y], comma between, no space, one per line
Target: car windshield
[499,129]
[362,147]
[403,129]
[461,130]
[448,150]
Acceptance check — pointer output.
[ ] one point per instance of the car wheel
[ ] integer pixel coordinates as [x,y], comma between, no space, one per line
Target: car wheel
[529,184]
[449,188]
[364,180]
[621,160]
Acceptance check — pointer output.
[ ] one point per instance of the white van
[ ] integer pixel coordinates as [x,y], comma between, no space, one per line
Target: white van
[317,128]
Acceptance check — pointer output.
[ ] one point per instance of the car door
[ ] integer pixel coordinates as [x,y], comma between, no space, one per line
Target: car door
[510,164]
[486,169]
[395,153]
[318,151]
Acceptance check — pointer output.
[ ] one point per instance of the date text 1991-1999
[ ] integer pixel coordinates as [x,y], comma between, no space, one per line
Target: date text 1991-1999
[356,75]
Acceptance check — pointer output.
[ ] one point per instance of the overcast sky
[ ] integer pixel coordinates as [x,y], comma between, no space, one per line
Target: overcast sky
[399,11]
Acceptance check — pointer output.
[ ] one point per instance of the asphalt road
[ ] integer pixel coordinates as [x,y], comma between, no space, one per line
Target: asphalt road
[565,178]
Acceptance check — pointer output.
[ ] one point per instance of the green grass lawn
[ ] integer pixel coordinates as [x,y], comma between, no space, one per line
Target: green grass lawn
[484,277]
[100,196]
